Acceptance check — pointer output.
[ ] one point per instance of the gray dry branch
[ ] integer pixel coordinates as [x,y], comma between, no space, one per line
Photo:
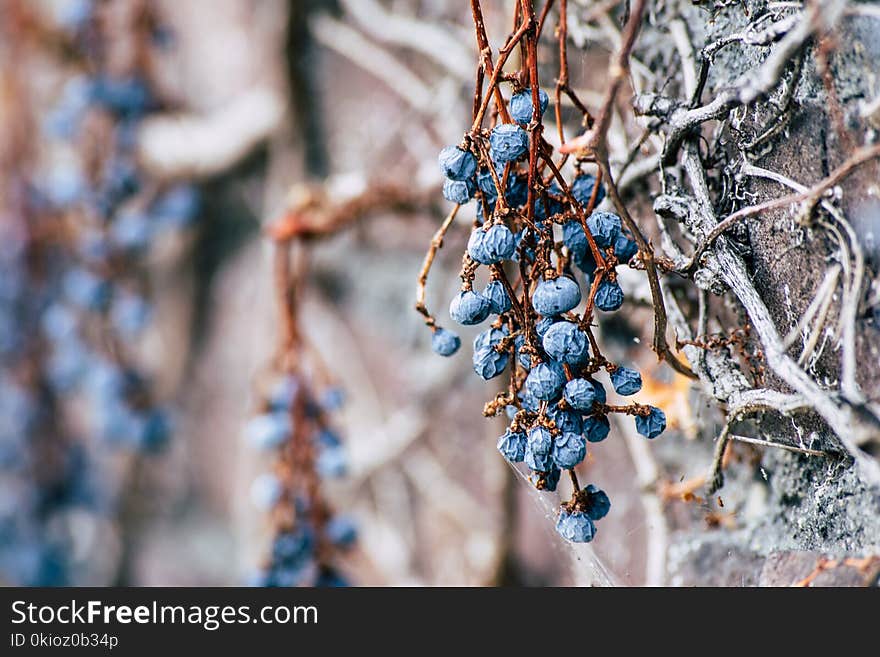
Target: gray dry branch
[767,165]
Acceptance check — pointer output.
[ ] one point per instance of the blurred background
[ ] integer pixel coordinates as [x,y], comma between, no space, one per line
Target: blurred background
[144,146]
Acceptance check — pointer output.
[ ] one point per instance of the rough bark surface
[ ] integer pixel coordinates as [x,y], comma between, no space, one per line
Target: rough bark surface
[802,503]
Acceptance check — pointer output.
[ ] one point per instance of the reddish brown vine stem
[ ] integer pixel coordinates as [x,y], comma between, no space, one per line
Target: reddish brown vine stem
[562,84]
[486,65]
[436,245]
[592,143]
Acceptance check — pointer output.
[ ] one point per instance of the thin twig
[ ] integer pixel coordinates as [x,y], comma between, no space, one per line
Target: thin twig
[436,244]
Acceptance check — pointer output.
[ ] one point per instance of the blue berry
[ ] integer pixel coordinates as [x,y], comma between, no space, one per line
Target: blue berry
[74,14]
[546,207]
[497,296]
[545,381]
[653,424]
[528,252]
[529,401]
[490,337]
[155,430]
[521,108]
[556,296]
[517,191]
[63,185]
[512,446]
[625,248]
[129,314]
[177,206]
[132,231]
[85,289]
[596,428]
[292,546]
[566,343]
[331,463]
[605,227]
[458,191]
[269,430]
[327,438]
[626,381]
[597,503]
[582,188]
[58,322]
[566,421]
[546,481]
[445,342]
[468,308]
[543,325]
[265,491]
[283,393]
[490,204]
[524,359]
[575,526]
[580,395]
[599,389]
[64,119]
[491,246]
[539,445]
[125,96]
[341,531]
[489,363]
[486,183]
[329,578]
[332,399]
[575,239]
[457,164]
[609,296]
[569,449]
[507,143]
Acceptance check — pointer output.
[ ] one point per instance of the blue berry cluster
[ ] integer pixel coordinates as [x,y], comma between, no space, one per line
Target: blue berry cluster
[545,262]
[294,426]
[80,220]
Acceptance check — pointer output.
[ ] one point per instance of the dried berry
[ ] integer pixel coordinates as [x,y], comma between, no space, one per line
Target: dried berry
[543,325]
[468,307]
[512,445]
[569,449]
[521,108]
[497,296]
[458,191]
[596,502]
[580,395]
[545,381]
[556,296]
[582,189]
[457,164]
[490,337]
[566,343]
[489,363]
[491,246]
[626,381]
[653,424]
[269,430]
[507,143]
[445,342]
[605,227]
[609,296]
[625,248]
[575,526]
[566,421]
[596,428]
[538,449]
